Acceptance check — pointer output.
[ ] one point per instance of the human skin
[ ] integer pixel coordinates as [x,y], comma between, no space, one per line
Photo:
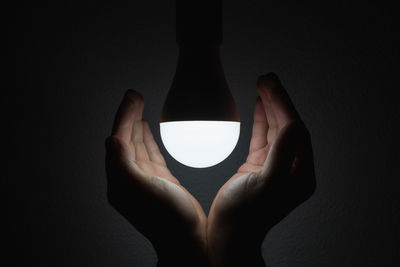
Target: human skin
[143,190]
[277,176]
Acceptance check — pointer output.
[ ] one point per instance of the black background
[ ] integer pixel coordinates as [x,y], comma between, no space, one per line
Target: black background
[70,67]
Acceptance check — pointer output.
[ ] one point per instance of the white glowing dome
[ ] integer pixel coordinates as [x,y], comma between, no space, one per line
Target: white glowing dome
[200,144]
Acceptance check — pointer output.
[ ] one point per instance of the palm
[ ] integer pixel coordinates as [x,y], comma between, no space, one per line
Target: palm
[260,144]
[149,159]
[254,162]
[141,187]
[275,178]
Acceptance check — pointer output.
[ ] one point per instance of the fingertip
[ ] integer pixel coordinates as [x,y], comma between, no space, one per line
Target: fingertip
[134,96]
[273,77]
[135,103]
[132,93]
[269,80]
[270,76]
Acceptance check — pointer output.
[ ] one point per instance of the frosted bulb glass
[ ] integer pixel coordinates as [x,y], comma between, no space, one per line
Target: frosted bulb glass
[200,144]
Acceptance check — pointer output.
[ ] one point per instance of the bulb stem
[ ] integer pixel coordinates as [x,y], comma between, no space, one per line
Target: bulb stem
[199,22]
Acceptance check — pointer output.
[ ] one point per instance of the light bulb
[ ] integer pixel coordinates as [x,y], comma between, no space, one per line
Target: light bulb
[199,123]
[200,144]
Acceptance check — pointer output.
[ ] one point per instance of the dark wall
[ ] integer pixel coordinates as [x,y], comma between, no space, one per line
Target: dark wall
[70,67]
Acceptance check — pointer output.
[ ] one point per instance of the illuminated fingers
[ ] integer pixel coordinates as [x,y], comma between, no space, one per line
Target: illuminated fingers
[260,128]
[151,146]
[278,106]
[130,110]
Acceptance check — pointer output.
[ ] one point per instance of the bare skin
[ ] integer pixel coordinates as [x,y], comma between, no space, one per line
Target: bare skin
[277,176]
[144,191]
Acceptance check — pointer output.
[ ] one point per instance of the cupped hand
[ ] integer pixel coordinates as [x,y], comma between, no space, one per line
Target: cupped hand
[143,190]
[277,176]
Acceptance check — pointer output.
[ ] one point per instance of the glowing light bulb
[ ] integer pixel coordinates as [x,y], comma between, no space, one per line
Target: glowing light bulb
[199,123]
[200,144]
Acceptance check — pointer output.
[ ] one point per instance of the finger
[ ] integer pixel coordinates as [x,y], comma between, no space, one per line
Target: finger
[138,142]
[248,167]
[151,146]
[267,105]
[271,89]
[260,128]
[282,153]
[258,157]
[120,159]
[131,107]
[266,101]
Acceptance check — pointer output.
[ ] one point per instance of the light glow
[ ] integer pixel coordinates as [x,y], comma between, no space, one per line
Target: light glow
[200,144]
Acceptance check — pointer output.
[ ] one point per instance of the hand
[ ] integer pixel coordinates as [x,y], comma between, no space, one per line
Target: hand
[144,191]
[277,176]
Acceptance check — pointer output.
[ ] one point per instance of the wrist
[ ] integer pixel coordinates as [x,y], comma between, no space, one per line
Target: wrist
[181,263]
[182,260]
[182,257]
[242,261]
[237,257]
